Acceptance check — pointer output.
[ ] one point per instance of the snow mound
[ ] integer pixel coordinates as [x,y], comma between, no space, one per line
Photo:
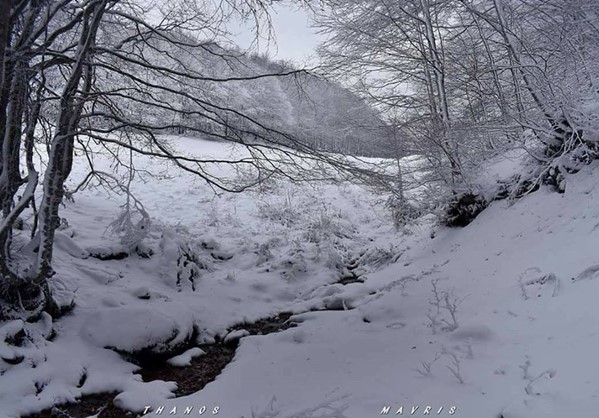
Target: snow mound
[65,243]
[158,329]
[236,335]
[184,359]
[142,394]
[9,330]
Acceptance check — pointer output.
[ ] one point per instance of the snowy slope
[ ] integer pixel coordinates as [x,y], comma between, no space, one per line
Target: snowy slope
[521,278]
[523,275]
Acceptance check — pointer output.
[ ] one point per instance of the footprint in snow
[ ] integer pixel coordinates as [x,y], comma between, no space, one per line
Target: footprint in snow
[588,273]
[535,284]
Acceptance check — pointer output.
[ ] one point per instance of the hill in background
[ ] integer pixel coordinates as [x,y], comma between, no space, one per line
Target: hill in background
[317,112]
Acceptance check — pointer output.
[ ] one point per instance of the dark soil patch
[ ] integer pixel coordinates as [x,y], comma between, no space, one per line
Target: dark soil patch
[121,255]
[203,370]
[268,325]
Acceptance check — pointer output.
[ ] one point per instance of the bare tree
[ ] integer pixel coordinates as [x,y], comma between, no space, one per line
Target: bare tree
[395,55]
[83,74]
[470,78]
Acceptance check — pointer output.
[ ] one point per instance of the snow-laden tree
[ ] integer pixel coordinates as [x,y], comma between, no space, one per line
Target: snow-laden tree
[392,53]
[469,78]
[76,75]
[549,50]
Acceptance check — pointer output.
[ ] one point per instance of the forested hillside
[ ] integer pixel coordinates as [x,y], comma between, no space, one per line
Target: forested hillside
[301,103]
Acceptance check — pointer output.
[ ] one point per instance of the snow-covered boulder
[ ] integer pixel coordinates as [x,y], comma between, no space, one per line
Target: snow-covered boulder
[184,359]
[141,394]
[65,243]
[158,330]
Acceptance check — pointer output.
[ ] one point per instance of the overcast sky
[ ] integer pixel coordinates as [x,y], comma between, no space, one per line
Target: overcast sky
[295,39]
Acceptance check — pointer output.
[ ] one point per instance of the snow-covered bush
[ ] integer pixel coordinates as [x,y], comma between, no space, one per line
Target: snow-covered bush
[376,258]
[463,208]
[402,211]
[284,212]
[326,226]
[181,261]
[264,254]
[294,262]
[132,225]
[443,310]
[335,259]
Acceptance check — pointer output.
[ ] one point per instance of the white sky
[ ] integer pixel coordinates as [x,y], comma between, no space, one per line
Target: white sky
[295,39]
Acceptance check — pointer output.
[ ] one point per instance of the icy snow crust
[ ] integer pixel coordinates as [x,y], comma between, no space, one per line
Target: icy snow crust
[523,280]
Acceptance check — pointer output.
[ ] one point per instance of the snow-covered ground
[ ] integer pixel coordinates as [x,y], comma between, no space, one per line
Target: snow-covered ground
[511,330]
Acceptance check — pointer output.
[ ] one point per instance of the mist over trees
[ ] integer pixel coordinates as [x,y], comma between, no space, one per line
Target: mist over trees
[461,80]
[320,113]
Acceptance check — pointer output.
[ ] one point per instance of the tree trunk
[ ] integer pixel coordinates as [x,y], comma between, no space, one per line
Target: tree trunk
[61,154]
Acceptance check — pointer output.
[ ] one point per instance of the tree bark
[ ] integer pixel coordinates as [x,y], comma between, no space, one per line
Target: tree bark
[61,153]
